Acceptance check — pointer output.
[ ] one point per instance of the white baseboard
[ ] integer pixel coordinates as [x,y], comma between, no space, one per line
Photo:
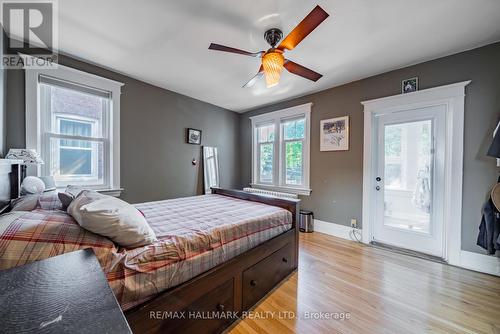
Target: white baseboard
[480,262]
[468,260]
[337,230]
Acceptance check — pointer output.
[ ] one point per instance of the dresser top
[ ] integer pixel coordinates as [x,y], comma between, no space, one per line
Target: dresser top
[63,294]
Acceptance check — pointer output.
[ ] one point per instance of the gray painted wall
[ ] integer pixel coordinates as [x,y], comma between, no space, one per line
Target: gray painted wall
[155,159]
[336,177]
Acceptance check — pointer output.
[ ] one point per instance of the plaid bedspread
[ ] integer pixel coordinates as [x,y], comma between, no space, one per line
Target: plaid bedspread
[194,234]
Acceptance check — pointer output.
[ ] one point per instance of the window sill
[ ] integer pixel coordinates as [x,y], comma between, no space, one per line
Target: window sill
[290,190]
[111,192]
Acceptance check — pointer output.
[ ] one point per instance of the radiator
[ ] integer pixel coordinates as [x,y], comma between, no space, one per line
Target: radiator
[270,193]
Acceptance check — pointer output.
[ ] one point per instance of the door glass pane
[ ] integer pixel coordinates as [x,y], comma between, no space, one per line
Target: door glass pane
[266,162]
[293,162]
[407,179]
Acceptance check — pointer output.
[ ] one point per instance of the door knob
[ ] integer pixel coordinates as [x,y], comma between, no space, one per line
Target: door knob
[377,188]
[378,179]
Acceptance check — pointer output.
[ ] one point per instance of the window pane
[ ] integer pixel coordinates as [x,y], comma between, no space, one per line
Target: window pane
[266,162]
[75,161]
[79,163]
[294,129]
[80,107]
[265,133]
[75,128]
[294,162]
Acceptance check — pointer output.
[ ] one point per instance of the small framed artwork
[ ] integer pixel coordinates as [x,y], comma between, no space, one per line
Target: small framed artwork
[334,134]
[193,136]
[409,85]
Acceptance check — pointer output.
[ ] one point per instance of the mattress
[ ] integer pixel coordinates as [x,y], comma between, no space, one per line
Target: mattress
[194,235]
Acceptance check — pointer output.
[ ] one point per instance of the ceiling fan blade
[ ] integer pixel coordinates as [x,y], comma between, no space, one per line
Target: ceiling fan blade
[304,28]
[301,71]
[219,47]
[255,78]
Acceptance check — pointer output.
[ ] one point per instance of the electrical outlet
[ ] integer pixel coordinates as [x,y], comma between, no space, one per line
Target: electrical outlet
[354,223]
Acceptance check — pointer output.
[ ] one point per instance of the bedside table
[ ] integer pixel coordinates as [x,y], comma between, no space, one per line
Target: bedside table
[63,294]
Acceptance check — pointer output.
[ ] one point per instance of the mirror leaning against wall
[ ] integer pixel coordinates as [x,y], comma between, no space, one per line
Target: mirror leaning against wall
[210,168]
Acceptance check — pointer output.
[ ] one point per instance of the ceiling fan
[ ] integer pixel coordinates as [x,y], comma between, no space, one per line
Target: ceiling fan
[273,60]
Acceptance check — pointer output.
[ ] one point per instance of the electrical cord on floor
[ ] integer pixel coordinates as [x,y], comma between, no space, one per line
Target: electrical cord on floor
[355,235]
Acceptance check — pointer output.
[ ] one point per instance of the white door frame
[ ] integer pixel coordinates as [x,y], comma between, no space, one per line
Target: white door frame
[453,98]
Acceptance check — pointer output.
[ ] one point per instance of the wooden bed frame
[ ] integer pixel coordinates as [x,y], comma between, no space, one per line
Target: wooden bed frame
[210,302]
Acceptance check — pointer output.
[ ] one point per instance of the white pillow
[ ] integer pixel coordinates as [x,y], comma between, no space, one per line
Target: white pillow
[113,218]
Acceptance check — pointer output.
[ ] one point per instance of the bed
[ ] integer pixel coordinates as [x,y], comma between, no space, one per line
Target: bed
[217,255]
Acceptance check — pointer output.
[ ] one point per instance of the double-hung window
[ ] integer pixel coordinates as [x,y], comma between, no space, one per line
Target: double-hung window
[281,150]
[73,121]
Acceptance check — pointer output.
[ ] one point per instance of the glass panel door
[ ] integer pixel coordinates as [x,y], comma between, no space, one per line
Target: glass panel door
[409,180]
[408,177]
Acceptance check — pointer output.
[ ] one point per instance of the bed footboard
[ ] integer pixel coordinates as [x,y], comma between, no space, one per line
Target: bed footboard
[210,302]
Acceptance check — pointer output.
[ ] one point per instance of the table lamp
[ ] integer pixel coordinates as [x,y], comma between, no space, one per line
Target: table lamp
[28,156]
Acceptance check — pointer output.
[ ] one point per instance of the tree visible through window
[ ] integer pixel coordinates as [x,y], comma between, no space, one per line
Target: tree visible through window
[266,153]
[293,138]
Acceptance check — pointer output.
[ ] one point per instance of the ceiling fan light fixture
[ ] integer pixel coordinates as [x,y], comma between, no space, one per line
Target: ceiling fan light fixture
[272,62]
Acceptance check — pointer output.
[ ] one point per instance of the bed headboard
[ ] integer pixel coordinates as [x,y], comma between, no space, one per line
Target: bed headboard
[9,182]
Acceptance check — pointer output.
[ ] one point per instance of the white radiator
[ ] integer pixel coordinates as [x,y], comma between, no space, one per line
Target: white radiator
[270,193]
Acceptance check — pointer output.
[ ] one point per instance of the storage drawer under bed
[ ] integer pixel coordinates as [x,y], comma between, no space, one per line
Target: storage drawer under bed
[263,276]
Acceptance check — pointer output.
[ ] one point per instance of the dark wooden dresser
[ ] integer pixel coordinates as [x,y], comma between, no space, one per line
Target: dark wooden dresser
[63,294]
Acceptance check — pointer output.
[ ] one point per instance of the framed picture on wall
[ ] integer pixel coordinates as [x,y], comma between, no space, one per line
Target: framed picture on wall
[409,85]
[334,134]
[193,136]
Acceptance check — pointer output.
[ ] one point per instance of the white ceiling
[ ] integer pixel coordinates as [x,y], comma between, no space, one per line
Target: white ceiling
[165,42]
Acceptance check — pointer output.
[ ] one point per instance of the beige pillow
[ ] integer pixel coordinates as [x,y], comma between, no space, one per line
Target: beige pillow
[113,218]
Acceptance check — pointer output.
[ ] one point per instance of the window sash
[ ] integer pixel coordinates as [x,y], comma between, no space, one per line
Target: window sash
[91,179]
[300,140]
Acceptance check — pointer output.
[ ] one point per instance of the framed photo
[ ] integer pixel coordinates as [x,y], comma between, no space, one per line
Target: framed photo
[334,134]
[409,85]
[193,136]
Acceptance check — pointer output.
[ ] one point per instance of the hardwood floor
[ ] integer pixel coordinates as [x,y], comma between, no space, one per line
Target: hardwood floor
[382,292]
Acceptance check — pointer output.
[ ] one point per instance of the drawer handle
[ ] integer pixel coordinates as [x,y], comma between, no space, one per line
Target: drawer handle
[284,259]
[220,307]
[253,283]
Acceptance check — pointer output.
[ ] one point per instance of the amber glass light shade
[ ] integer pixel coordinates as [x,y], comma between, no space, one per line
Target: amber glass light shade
[273,65]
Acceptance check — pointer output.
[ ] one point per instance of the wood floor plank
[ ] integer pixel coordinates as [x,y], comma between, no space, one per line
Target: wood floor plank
[381,291]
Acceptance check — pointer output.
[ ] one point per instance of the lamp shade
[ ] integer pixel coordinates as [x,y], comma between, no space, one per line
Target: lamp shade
[28,156]
[494,150]
[272,62]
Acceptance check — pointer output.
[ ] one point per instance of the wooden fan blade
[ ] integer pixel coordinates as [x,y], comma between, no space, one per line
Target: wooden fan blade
[301,71]
[304,28]
[219,47]
[255,78]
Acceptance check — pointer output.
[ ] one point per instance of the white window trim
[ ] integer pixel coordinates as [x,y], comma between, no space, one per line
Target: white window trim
[276,117]
[453,98]
[33,118]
